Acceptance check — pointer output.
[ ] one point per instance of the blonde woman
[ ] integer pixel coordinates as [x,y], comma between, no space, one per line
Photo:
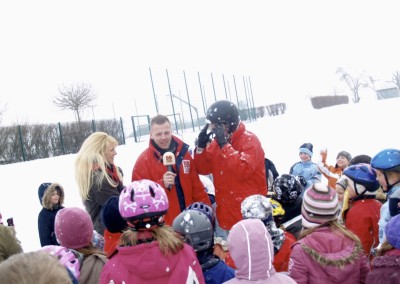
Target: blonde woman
[97,176]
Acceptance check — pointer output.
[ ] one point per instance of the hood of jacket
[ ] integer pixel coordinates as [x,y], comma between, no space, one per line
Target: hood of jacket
[251,249]
[331,253]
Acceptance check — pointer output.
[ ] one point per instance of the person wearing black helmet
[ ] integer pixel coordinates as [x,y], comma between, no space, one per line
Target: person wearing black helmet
[387,166]
[235,158]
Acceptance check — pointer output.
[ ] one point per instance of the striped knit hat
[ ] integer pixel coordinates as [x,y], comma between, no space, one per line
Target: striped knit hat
[320,205]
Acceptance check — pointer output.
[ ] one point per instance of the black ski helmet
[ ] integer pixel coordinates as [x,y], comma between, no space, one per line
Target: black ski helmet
[287,188]
[224,111]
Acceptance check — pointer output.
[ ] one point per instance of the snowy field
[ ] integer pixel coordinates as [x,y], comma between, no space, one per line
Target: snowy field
[363,128]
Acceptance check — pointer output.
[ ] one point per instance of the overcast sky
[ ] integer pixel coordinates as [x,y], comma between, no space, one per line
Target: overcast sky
[290,50]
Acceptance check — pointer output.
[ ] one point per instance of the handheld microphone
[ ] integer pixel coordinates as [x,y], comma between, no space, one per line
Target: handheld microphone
[169,160]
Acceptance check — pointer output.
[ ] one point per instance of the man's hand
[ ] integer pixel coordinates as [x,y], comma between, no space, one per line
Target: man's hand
[203,138]
[169,179]
[220,135]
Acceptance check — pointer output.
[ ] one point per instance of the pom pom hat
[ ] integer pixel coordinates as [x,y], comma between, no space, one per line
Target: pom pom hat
[320,205]
[306,148]
[73,227]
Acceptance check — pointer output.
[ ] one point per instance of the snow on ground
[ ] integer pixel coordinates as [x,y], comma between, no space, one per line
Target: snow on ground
[363,128]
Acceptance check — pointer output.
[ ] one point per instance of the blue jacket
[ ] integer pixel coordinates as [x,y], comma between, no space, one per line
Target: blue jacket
[46,226]
[219,273]
[385,214]
[309,170]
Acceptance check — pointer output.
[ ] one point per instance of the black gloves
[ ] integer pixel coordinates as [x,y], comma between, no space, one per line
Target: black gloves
[302,180]
[203,138]
[220,135]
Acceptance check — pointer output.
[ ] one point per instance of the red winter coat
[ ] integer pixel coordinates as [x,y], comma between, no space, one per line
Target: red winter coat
[150,166]
[282,257]
[362,219]
[238,171]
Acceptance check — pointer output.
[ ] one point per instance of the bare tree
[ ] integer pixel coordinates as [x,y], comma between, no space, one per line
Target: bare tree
[76,98]
[396,79]
[353,83]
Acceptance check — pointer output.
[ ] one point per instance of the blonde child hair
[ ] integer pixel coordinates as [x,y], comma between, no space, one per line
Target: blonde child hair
[169,241]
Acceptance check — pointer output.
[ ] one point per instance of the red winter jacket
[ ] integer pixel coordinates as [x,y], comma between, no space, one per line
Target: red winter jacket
[362,219]
[150,166]
[238,171]
[282,257]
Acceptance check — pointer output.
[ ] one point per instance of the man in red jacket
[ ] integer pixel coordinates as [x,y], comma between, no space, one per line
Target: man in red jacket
[235,159]
[181,182]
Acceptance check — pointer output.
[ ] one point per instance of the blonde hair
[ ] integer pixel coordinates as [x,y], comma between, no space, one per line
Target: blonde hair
[333,225]
[90,158]
[33,267]
[89,250]
[385,247]
[48,193]
[169,242]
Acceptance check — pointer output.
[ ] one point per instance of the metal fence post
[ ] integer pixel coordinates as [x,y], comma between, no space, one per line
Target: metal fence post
[122,130]
[61,139]
[20,143]
[134,129]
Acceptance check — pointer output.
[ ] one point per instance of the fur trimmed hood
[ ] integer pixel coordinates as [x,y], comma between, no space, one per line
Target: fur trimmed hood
[330,252]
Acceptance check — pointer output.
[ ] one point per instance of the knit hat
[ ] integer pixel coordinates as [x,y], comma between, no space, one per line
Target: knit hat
[73,227]
[392,231]
[344,154]
[110,216]
[320,205]
[306,148]
[365,159]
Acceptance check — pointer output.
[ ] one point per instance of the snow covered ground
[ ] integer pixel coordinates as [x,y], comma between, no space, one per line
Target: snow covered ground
[363,128]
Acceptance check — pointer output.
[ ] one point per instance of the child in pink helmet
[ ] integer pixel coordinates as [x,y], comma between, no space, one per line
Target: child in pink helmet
[149,250]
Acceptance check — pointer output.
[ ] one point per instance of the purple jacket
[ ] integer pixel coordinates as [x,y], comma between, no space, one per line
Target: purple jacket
[251,249]
[327,256]
[385,269]
[145,263]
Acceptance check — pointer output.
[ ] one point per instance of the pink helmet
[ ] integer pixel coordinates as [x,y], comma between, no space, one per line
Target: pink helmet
[69,258]
[143,203]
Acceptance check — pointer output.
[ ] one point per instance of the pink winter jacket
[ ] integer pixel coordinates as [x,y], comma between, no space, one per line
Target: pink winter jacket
[327,256]
[146,264]
[251,249]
